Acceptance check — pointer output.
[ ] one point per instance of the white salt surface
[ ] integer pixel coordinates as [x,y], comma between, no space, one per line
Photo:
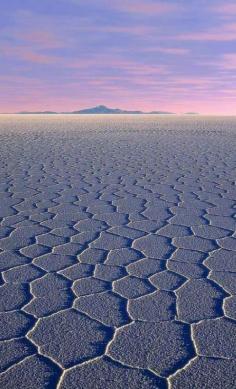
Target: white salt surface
[117,252]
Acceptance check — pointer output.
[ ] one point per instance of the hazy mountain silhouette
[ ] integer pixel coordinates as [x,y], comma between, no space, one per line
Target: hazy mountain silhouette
[99,109]
[103,109]
[38,112]
[160,113]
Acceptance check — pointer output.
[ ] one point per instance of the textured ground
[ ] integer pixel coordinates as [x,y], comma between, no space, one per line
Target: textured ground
[117,252]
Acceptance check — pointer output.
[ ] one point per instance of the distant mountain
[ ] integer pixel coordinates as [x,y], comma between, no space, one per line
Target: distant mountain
[161,113]
[99,109]
[191,113]
[43,112]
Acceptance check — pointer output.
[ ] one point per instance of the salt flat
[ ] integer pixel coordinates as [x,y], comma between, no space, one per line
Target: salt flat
[117,252]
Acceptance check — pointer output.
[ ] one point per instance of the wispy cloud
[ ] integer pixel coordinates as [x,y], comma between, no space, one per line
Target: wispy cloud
[132,29]
[223,33]
[149,8]
[229,61]
[145,8]
[39,39]
[168,50]
[225,8]
[26,54]
[226,62]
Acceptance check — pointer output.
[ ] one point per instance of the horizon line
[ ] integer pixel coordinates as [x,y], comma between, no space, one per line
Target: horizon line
[111,111]
[119,114]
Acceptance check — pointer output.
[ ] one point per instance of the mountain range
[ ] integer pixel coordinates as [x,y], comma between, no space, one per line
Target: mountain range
[100,109]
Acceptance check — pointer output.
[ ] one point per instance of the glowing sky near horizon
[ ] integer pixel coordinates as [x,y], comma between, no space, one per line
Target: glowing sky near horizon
[172,55]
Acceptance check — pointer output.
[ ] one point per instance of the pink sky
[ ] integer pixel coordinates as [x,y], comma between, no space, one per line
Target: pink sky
[146,55]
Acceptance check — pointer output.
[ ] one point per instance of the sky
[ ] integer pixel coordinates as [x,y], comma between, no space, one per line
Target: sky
[65,55]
